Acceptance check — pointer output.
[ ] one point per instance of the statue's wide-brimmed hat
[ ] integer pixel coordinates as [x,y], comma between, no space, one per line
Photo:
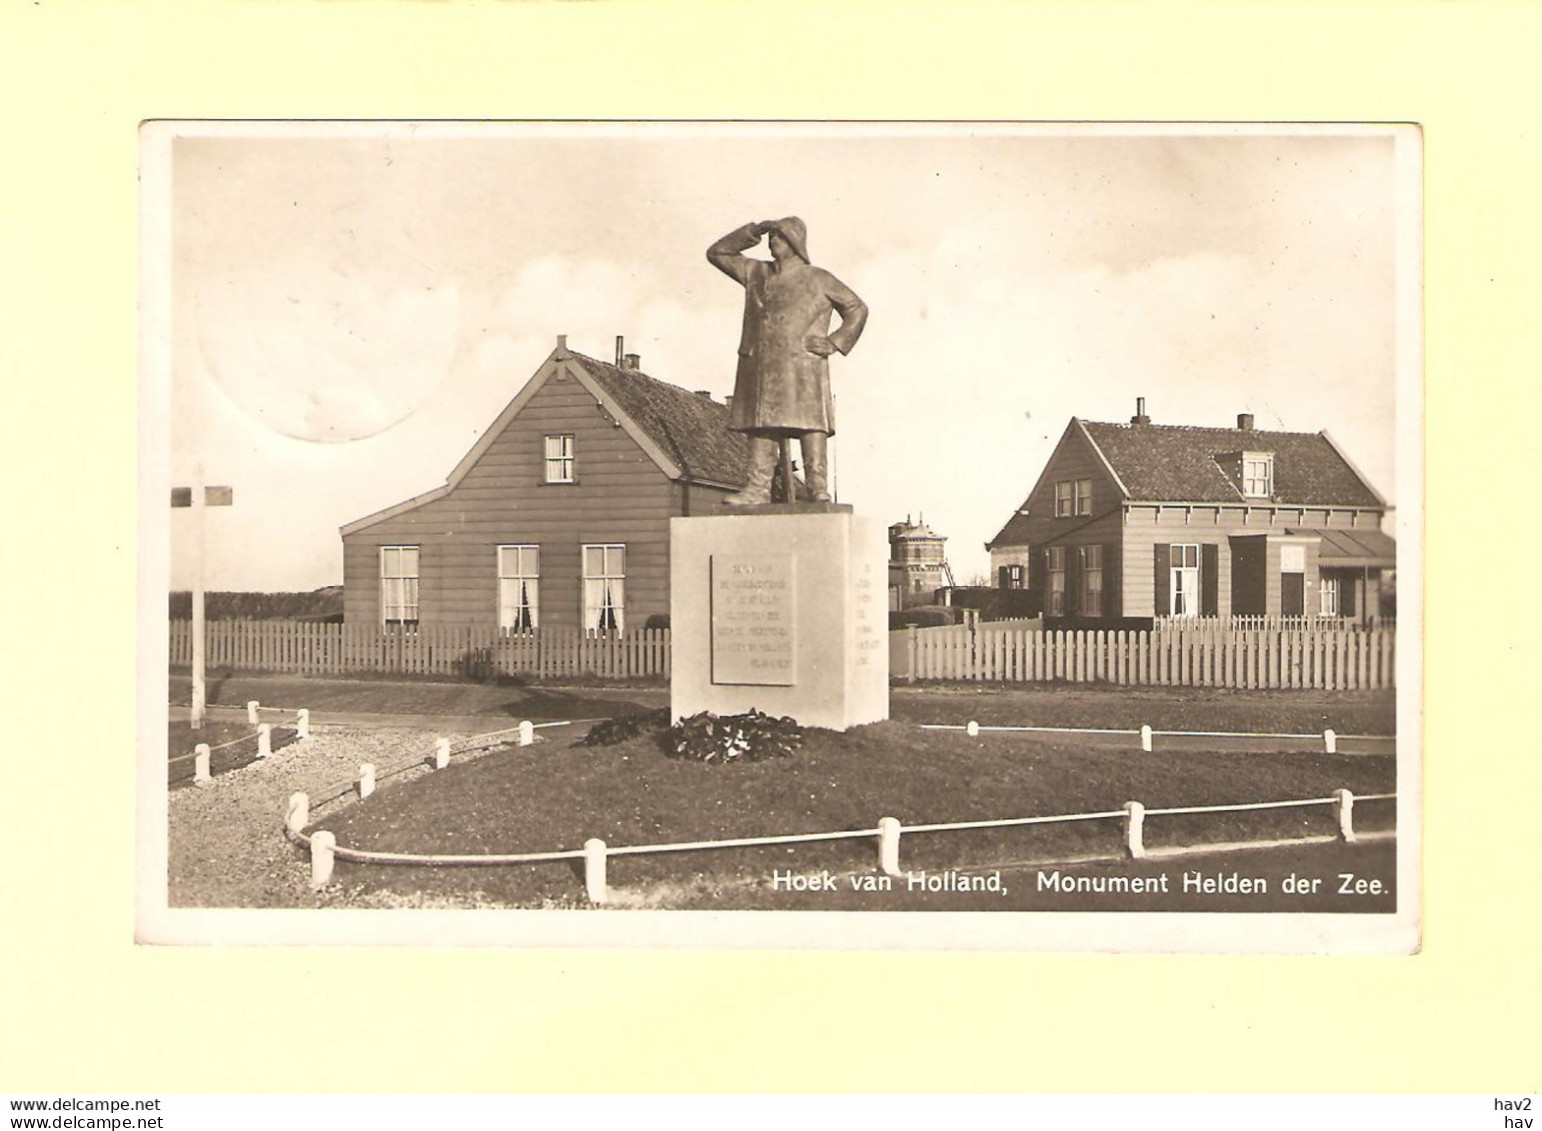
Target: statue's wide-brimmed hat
[795,232]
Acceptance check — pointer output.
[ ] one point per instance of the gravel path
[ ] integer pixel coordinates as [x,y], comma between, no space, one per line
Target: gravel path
[227,844]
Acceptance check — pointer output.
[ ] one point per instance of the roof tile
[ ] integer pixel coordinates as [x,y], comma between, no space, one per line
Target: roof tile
[1015,532]
[690,428]
[1171,463]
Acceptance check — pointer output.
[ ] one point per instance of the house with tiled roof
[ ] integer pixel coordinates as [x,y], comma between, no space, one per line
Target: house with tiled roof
[1139,521]
[1011,562]
[559,514]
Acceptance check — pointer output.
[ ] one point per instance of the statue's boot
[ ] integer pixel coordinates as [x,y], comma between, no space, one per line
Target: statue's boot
[763,455]
[816,466]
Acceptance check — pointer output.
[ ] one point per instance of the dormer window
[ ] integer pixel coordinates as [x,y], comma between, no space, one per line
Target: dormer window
[1073,497]
[1258,475]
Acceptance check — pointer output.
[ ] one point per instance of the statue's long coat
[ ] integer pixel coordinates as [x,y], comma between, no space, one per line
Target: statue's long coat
[781,385]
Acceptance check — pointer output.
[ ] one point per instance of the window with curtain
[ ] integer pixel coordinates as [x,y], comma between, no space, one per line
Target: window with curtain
[519,587]
[1183,595]
[605,587]
[1092,581]
[1057,581]
[399,585]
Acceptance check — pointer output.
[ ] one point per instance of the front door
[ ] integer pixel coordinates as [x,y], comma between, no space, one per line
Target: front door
[1292,594]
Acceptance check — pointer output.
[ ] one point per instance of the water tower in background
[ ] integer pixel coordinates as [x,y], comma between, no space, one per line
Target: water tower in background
[918,565]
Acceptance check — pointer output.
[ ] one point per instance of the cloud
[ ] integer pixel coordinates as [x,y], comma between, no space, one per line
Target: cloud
[967,376]
[327,356]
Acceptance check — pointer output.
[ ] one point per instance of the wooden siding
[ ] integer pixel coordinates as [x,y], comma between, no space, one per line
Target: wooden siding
[621,496]
[1217,525]
[1139,572]
[1106,532]
[1074,458]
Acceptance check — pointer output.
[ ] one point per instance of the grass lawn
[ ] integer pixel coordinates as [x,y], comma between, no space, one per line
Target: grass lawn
[559,793]
[1163,708]
[424,696]
[236,743]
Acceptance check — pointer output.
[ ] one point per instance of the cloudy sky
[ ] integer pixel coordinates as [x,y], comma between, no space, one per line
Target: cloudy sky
[350,309]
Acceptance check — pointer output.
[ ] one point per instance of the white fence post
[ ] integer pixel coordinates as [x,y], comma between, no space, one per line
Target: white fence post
[322,846]
[264,740]
[251,711]
[888,846]
[302,723]
[298,815]
[1145,738]
[1330,741]
[972,729]
[526,732]
[1344,806]
[1134,829]
[594,869]
[366,779]
[441,753]
[201,764]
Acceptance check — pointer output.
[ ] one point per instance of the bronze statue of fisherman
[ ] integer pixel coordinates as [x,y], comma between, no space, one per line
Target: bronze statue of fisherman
[782,389]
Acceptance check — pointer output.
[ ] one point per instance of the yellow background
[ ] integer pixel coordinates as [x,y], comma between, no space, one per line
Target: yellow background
[83,1010]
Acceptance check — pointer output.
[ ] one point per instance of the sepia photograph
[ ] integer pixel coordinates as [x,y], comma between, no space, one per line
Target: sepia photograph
[975,535]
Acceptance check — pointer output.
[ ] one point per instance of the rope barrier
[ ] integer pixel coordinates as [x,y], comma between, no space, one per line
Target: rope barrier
[475,742]
[222,746]
[367,856]
[1239,808]
[1036,730]
[742,842]
[1317,735]
[324,847]
[1013,821]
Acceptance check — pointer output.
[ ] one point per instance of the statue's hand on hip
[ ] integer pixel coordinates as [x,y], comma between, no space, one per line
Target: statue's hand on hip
[820,345]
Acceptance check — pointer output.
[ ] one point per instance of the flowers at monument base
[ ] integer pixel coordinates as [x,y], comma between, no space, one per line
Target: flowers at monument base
[706,737]
[735,738]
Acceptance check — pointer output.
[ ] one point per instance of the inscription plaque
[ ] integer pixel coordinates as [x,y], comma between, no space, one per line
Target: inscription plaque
[752,619]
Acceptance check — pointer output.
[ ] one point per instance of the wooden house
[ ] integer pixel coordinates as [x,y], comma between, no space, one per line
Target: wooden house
[1137,521]
[1011,562]
[559,515]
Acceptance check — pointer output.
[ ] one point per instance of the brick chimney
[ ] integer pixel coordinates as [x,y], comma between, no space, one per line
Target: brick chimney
[1244,422]
[1140,416]
[632,361]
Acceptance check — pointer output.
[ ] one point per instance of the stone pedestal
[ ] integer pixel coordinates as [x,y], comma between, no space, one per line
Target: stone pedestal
[782,610]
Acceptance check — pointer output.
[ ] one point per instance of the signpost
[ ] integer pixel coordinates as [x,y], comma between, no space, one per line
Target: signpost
[198,499]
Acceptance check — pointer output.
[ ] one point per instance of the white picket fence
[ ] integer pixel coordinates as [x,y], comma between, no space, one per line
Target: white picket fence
[1243,621]
[1336,659]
